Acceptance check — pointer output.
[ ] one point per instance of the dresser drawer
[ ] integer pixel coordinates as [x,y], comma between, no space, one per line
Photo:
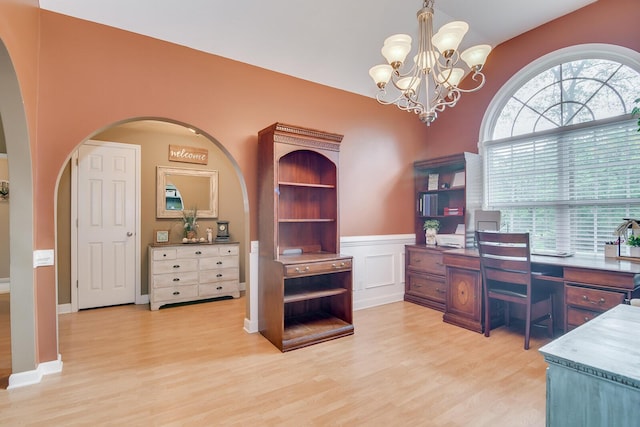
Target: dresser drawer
[220,288]
[219,275]
[427,286]
[592,299]
[197,251]
[313,268]
[177,279]
[175,293]
[219,262]
[226,250]
[427,261]
[175,266]
[577,316]
[160,254]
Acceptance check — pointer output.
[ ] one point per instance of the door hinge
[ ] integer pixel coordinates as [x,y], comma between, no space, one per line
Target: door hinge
[77,285]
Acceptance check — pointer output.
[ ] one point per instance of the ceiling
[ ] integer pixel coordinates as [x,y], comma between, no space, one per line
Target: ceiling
[331,42]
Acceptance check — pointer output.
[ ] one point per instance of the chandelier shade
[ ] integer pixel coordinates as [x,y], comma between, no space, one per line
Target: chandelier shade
[431,83]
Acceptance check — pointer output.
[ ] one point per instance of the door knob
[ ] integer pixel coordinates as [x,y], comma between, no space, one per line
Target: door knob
[129,234]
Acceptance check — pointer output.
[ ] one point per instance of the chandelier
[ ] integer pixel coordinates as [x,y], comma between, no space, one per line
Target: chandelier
[431,84]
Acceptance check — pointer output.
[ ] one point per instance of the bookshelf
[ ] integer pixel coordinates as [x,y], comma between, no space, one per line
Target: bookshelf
[448,189]
[304,284]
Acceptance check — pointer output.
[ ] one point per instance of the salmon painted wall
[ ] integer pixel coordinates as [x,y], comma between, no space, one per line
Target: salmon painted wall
[605,21]
[19,31]
[93,75]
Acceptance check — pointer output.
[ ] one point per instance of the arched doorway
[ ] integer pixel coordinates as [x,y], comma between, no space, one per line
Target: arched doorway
[22,298]
[154,135]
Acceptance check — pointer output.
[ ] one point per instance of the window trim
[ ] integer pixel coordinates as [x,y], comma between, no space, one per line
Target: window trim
[623,55]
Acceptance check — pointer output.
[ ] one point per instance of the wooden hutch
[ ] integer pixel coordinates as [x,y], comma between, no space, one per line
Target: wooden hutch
[305,285]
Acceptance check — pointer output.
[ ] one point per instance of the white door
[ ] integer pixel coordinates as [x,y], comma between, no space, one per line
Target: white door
[107,223]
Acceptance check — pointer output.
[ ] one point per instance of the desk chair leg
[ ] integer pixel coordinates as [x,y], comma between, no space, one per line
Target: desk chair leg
[507,313]
[527,327]
[487,316]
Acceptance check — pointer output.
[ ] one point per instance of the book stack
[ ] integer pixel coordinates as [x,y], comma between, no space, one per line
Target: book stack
[453,211]
[427,205]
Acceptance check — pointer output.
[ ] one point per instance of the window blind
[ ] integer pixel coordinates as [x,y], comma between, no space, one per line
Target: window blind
[568,188]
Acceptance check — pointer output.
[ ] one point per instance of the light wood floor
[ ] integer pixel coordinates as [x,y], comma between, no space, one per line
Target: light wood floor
[195,366]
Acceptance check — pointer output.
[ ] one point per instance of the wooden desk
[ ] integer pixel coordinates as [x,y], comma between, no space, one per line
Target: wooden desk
[585,286]
[593,378]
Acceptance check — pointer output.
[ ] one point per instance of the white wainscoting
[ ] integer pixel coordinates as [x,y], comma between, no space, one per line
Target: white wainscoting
[378,272]
[378,268]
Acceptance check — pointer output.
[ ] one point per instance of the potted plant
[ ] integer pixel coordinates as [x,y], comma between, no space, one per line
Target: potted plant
[634,245]
[190,221]
[431,227]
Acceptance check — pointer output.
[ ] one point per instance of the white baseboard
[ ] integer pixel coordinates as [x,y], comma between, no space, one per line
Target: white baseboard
[22,379]
[64,308]
[251,326]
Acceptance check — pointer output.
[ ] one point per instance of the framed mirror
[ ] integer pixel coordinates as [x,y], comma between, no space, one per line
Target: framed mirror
[180,188]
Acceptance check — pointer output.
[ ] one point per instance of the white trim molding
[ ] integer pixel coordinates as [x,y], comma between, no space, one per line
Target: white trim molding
[22,379]
[378,268]
[251,323]
[378,272]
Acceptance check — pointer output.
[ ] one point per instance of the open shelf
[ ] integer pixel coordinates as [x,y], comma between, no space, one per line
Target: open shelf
[302,184]
[310,291]
[312,328]
[306,220]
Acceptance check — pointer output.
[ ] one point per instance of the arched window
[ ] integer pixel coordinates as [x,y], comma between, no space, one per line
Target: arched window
[561,150]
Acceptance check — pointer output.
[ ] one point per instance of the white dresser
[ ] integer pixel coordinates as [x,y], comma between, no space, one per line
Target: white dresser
[190,272]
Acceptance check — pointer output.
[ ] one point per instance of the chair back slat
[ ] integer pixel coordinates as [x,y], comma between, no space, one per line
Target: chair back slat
[505,257]
[506,276]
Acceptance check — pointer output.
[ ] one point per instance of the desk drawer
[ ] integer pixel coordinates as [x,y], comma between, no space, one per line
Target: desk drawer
[592,299]
[577,317]
[313,268]
[427,286]
[427,261]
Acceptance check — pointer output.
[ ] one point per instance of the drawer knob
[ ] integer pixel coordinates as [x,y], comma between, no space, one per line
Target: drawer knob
[164,255]
[219,288]
[441,291]
[338,265]
[218,275]
[600,301]
[586,319]
[176,293]
[198,253]
[176,266]
[219,262]
[177,279]
[298,270]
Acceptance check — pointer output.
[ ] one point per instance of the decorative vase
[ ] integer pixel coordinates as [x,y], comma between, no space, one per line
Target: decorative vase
[430,236]
[610,251]
[190,234]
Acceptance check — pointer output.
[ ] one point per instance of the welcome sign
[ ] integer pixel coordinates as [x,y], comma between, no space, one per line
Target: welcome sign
[178,153]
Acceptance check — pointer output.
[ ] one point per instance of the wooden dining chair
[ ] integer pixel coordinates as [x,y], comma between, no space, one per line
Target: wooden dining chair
[505,263]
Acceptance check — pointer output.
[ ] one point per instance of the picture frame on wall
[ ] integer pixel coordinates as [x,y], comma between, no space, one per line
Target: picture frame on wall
[161,237]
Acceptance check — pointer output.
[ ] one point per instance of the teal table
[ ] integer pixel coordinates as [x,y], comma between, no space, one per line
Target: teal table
[593,377]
